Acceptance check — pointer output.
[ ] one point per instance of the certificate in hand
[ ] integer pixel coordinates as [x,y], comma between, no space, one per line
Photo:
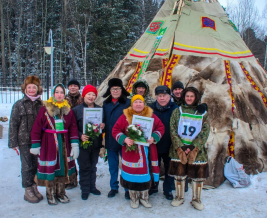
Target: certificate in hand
[146,124]
[92,115]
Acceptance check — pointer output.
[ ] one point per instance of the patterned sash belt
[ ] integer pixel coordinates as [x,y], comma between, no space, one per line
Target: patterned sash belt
[55,131]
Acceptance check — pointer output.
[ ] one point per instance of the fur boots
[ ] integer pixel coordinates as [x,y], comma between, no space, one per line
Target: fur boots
[180,189]
[51,195]
[144,199]
[134,196]
[61,194]
[196,197]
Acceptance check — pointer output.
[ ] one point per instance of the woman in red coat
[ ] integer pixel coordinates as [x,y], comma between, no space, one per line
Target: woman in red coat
[55,140]
[139,168]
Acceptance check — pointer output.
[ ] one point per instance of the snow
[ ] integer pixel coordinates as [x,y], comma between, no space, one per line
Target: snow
[224,201]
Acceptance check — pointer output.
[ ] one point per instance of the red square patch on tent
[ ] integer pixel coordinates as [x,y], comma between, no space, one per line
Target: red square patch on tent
[207,22]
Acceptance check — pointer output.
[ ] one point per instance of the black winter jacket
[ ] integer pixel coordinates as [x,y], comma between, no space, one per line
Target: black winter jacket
[164,144]
[23,115]
[78,112]
[111,115]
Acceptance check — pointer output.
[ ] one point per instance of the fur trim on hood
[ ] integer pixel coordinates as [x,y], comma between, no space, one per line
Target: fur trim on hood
[129,112]
[32,80]
[138,82]
[194,90]
[54,110]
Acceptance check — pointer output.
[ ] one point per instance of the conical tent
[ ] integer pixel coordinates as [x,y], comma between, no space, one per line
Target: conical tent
[197,44]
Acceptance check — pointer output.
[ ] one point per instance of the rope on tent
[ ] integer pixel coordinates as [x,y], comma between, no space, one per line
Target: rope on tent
[249,78]
[231,143]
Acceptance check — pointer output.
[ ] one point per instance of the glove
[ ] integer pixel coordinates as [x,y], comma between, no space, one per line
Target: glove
[192,155]
[74,150]
[201,108]
[35,151]
[182,156]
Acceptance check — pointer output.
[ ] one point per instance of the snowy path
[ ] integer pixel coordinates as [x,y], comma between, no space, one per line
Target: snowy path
[224,201]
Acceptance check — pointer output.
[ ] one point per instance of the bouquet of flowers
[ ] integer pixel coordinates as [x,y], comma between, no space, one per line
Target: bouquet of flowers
[135,133]
[91,130]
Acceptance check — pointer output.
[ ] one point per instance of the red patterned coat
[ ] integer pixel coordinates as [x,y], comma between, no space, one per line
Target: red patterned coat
[139,168]
[54,162]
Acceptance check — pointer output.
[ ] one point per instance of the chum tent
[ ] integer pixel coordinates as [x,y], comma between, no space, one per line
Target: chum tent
[196,43]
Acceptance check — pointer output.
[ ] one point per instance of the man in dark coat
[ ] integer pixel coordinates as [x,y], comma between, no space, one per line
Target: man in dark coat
[74,97]
[163,108]
[113,108]
[177,89]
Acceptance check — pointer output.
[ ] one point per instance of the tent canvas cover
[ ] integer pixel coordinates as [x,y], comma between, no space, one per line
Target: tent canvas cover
[196,43]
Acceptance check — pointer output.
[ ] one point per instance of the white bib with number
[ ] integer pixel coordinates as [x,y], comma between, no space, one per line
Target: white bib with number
[189,126]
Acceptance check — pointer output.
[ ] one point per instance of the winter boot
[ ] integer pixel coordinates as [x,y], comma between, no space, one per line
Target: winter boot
[30,196]
[179,198]
[144,199]
[61,194]
[51,195]
[196,197]
[71,185]
[134,196]
[36,192]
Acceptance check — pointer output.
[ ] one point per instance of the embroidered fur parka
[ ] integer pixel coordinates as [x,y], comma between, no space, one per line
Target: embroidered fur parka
[139,168]
[198,142]
[55,163]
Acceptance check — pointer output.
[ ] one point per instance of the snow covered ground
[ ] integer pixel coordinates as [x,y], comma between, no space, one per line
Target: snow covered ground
[224,201]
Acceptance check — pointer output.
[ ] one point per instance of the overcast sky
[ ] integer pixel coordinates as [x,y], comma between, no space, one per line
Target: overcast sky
[259,3]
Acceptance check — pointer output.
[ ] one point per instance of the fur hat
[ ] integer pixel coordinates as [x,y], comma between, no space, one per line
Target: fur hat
[194,90]
[177,84]
[32,80]
[89,88]
[115,82]
[74,82]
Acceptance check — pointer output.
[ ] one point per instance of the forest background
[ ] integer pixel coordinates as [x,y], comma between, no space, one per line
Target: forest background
[91,36]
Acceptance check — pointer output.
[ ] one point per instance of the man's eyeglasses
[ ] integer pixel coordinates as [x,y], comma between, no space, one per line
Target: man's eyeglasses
[115,89]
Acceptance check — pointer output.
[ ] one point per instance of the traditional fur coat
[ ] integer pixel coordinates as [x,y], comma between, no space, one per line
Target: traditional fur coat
[139,168]
[54,163]
[186,116]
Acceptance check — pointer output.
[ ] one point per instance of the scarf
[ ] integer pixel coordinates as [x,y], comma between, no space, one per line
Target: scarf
[33,98]
[59,104]
[161,108]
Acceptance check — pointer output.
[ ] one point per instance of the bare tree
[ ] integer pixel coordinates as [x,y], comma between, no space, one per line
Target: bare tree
[244,15]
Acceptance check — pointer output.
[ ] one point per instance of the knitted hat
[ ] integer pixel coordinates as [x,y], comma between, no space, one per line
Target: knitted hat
[115,82]
[194,90]
[137,97]
[177,84]
[162,90]
[89,88]
[32,80]
[74,82]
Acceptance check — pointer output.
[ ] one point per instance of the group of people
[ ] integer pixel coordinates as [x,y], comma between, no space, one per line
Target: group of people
[48,135]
